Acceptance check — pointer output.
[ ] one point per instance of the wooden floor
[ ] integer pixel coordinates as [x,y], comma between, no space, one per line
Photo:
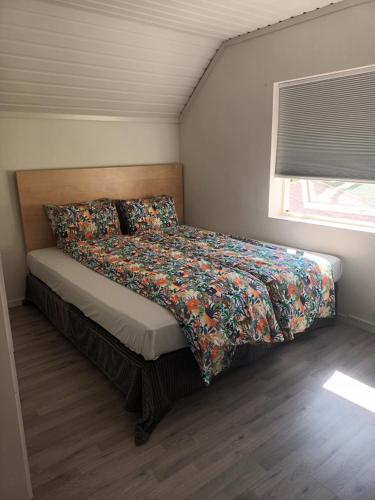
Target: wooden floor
[269,431]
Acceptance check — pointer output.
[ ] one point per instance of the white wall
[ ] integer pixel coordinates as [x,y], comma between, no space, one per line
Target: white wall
[51,143]
[14,467]
[226,141]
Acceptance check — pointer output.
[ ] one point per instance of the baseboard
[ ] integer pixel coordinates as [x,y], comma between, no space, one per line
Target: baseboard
[15,302]
[363,324]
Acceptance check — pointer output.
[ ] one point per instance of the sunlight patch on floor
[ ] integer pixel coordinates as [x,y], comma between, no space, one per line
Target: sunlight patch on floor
[352,390]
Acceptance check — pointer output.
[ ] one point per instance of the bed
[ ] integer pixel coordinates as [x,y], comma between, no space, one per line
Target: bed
[135,342]
[140,324]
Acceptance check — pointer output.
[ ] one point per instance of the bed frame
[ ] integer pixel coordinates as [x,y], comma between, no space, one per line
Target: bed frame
[150,387]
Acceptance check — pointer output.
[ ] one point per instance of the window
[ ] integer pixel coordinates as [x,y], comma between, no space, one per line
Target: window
[323,148]
[330,200]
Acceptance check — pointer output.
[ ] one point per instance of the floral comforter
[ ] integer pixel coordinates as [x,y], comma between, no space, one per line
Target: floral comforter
[223,292]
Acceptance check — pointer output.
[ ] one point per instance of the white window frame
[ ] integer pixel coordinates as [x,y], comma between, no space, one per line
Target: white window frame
[279,186]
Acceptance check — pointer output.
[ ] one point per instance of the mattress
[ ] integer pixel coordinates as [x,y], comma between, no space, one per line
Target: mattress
[140,324]
[335,262]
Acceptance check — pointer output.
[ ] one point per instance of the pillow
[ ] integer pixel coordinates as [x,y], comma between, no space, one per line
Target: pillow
[148,213]
[88,220]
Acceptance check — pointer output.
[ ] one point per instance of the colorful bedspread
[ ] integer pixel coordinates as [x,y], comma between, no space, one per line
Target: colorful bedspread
[223,292]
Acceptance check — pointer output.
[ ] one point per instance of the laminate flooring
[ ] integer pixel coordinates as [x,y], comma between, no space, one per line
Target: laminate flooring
[266,431]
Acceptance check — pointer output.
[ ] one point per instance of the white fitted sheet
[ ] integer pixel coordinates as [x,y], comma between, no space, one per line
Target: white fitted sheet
[140,324]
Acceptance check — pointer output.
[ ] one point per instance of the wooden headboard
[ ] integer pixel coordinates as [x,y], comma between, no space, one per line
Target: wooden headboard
[39,187]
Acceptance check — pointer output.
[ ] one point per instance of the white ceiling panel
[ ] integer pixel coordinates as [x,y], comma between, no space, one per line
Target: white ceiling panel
[133,58]
[219,19]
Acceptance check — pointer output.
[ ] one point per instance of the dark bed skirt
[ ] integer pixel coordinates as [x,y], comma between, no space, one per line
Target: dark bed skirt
[149,387]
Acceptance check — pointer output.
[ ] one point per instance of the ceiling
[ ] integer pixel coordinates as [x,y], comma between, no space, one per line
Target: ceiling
[127,58]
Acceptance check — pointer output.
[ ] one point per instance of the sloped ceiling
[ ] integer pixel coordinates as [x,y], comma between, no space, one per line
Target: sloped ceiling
[127,58]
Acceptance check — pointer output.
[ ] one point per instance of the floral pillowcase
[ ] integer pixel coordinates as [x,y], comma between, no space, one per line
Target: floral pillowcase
[88,220]
[148,213]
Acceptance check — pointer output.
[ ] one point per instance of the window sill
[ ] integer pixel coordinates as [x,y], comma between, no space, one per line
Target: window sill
[319,222]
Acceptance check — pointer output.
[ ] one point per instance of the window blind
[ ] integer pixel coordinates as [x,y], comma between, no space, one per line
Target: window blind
[326,128]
